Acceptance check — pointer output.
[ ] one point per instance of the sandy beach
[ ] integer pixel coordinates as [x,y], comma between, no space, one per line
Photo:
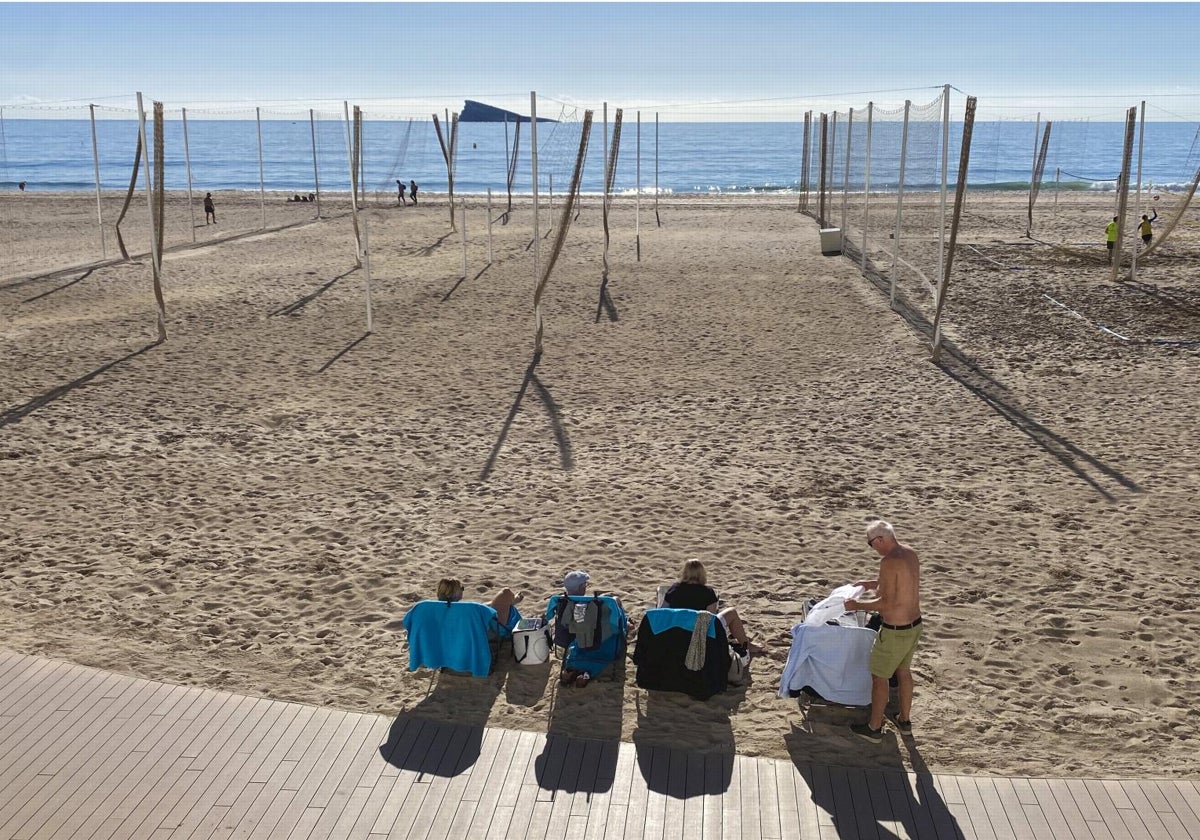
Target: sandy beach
[253,504]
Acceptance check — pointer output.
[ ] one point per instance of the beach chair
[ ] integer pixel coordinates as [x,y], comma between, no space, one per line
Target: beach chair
[590,632]
[459,635]
[660,653]
[829,662]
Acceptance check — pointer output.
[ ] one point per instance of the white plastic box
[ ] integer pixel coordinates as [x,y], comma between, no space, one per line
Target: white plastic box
[831,241]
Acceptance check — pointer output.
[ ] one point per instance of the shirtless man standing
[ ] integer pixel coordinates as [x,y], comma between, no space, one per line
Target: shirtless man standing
[898,601]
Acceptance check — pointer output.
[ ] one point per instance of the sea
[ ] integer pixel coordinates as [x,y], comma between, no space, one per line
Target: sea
[670,157]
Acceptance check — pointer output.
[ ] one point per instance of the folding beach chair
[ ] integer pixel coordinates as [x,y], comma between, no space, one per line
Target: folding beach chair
[660,654]
[590,632]
[459,635]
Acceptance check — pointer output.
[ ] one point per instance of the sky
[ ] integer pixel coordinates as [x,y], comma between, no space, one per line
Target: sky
[754,58]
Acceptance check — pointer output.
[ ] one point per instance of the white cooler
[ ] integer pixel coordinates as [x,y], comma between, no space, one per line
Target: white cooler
[531,647]
[831,241]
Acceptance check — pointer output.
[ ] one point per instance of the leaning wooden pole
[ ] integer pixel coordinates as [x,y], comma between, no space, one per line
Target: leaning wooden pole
[155,242]
[96,165]
[960,191]
[1123,190]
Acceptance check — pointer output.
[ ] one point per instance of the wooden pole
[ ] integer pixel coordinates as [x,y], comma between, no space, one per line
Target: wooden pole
[489,225]
[945,185]
[899,204]
[462,210]
[1137,212]
[959,194]
[637,204]
[262,195]
[846,174]
[537,239]
[312,128]
[155,256]
[867,187]
[96,166]
[656,218]
[187,158]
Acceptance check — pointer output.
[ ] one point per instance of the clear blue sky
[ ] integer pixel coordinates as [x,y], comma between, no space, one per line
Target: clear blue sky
[632,53]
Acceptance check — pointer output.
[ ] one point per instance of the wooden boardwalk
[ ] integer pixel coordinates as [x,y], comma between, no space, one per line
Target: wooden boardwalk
[90,754]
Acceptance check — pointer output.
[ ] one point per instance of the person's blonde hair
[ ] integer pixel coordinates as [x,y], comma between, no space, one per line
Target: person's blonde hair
[693,572]
[879,528]
[449,589]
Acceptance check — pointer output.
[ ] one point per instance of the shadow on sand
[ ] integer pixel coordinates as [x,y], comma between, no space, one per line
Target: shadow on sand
[566,456]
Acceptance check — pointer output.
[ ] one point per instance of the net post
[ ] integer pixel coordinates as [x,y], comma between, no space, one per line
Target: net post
[821,175]
[489,225]
[1137,212]
[637,204]
[312,129]
[1037,127]
[96,166]
[802,198]
[899,204]
[945,171]
[262,194]
[366,234]
[604,195]
[1123,191]
[187,159]
[846,176]
[867,187]
[155,259]
[353,192]
[462,212]
[656,218]
[960,189]
[537,239]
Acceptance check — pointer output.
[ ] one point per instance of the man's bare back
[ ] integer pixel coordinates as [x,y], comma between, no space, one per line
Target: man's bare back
[899,586]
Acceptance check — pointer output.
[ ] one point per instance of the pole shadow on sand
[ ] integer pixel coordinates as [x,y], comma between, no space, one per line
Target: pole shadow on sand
[565,454]
[18,413]
[293,308]
[959,367]
[78,279]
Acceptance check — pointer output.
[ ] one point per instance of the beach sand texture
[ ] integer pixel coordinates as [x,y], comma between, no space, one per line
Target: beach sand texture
[253,504]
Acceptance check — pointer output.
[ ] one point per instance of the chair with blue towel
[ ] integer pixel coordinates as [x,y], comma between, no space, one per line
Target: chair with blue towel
[592,629]
[459,635]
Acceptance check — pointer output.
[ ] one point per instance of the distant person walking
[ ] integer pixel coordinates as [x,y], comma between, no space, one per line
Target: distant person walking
[1110,234]
[400,187]
[1146,230]
[412,190]
[210,209]
[21,186]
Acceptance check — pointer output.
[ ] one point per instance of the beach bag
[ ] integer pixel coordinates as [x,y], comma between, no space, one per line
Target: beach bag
[739,667]
[531,646]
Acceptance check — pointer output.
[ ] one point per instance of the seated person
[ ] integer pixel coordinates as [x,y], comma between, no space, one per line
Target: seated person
[451,589]
[692,592]
[296,197]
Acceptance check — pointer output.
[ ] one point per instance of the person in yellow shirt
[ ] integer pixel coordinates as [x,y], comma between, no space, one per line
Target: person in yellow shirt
[1110,233]
[1146,230]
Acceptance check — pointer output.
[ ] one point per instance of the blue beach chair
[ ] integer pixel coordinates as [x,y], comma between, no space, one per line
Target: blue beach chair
[459,635]
[591,629]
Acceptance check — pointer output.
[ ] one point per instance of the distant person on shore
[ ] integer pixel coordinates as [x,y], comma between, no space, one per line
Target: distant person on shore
[1110,234]
[210,209]
[898,602]
[400,190]
[1146,230]
[412,190]
[21,186]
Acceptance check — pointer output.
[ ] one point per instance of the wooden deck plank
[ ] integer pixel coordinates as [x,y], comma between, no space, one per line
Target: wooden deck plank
[520,789]
[490,786]
[809,820]
[1185,811]
[84,775]
[42,760]
[692,824]
[92,755]
[1060,826]
[1014,810]
[1109,813]
[173,785]
[102,777]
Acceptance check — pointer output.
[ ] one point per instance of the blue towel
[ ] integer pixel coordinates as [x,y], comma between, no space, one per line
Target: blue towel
[453,635]
[664,618]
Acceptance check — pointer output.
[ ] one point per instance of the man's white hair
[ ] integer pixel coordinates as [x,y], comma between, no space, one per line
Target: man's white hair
[879,528]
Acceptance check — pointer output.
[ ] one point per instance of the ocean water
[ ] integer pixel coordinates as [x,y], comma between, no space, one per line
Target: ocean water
[678,157]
